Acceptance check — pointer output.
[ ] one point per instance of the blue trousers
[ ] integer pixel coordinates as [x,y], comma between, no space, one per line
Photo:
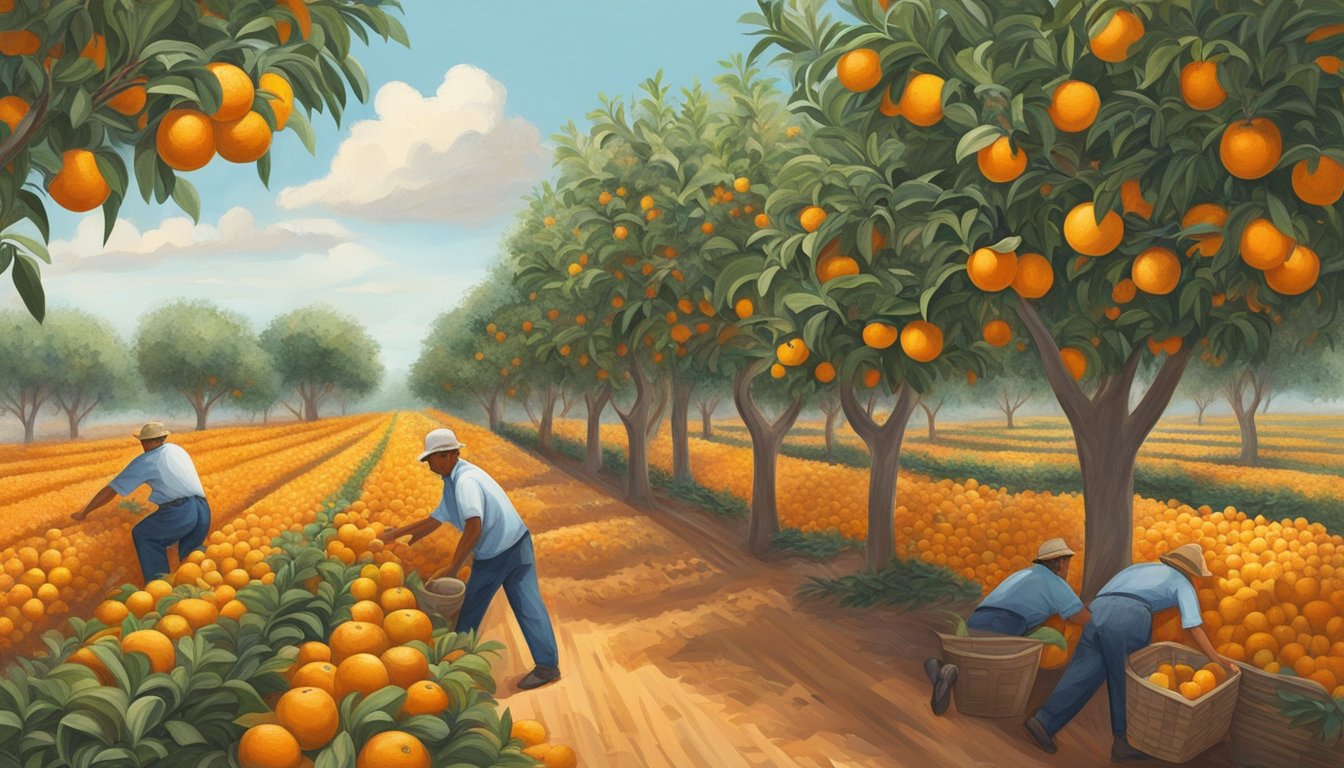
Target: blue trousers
[1002,621]
[184,522]
[515,569]
[1119,627]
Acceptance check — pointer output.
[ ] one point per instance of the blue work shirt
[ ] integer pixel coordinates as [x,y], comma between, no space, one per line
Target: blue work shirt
[1161,586]
[1035,594]
[168,471]
[469,492]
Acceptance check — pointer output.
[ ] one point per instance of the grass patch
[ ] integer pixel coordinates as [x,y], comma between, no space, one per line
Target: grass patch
[813,545]
[903,583]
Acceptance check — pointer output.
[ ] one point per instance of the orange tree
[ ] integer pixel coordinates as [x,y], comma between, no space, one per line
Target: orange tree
[175,81]
[1153,159]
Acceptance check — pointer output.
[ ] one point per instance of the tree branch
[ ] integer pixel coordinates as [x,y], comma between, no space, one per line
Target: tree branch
[1154,402]
[1071,397]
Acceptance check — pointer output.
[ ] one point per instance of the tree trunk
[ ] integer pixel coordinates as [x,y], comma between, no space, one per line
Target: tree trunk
[1108,435]
[1250,438]
[884,448]
[266,414]
[596,402]
[72,415]
[1202,406]
[658,409]
[766,438]
[202,414]
[681,410]
[930,414]
[30,427]
[706,421]
[493,412]
[1009,413]
[547,417]
[1235,389]
[638,490]
[831,415]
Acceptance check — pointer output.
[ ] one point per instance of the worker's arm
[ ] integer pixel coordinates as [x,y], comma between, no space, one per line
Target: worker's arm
[417,530]
[470,535]
[99,499]
[1081,617]
[1201,640]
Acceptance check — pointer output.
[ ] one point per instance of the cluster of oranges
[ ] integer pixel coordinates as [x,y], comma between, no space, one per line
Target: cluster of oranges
[1186,680]
[187,139]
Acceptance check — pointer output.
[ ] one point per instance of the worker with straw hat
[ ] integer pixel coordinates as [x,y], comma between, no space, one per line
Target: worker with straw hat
[1017,605]
[183,515]
[1122,623]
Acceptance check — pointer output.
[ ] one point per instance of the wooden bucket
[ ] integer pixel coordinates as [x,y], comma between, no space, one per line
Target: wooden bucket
[1164,723]
[994,673]
[1263,738]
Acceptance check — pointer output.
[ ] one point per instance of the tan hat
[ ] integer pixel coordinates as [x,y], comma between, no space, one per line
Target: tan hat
[151,430]
[440,440]
[1053,549]
[1188,558]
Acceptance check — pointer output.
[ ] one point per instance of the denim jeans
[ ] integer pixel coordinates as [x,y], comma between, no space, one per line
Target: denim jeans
[1002,621]
[184,522]
[1119,627]
[515,569]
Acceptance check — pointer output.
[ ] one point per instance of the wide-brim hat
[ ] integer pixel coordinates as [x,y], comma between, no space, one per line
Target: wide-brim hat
[1053,549]
[151,430]
[1188,558]
[440,440]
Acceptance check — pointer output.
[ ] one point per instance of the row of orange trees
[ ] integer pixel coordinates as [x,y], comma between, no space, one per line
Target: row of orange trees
[1110,185]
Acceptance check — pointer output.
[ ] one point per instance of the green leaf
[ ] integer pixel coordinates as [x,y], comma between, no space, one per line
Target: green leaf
[340,753]
[977,139]
[183,733]
[186,197]
[144,714]
[28,281]
[1049,636]
[81,106]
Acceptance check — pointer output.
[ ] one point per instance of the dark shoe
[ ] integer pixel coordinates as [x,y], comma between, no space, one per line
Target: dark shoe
[942,689]
[931,667]
[1039,735]
[1121,750]
[538,677]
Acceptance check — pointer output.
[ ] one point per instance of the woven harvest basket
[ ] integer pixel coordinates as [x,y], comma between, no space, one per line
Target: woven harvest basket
[994,674]
[1164,723]
[443,596]
[1263,738]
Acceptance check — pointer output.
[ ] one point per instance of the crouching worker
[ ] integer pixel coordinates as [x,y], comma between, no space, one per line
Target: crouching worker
[1122,623]
[1018,605]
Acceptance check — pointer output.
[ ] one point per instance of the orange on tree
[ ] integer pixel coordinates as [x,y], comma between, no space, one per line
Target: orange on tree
[315,674]
[284,29]
[1074,361]
[19,42]
[236,86]
[185,139]
[1124,291]
[424,697]
[1034,276]
[131,99]
[12,110]
[922,100]
[1086,236]
[393,749]
[991,270]
[1200,87]
[922,341]
[1132,200]
[1250,149]
[999,162]
[811,218]
[283,104]
[269,746]
[1074,106]
[743,308]
[879,335]
[1212,214]
[1264,246]
[243,140]
[79,186]
[1324,186]
[153,645]
[310,714]
[824,372]
[831,266]
[1156,271]
[792,352]
[1112,43]
[1297,275]
[858,70]
[997,333]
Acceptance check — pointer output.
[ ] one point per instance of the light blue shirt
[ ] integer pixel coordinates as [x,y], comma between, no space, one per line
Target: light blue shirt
[469,492]
[1035,594]
[168,471]
[1161,586]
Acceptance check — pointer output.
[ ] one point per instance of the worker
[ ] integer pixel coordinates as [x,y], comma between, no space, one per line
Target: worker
[501,547]
[1020,603]
[1122,623]
[183,515]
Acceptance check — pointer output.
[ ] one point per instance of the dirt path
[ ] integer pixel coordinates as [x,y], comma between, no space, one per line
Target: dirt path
[729,669]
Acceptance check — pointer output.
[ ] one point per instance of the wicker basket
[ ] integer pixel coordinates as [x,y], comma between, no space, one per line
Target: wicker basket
[1264,738]
[443,596]
[994,674]
[1164,723]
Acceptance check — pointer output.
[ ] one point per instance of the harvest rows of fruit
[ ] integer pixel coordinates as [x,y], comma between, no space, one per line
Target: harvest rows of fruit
[1276,599]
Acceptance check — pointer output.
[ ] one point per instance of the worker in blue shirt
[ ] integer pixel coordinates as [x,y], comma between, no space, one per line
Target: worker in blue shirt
[501,547]
[1122,623]
[1017,605]
[183,515]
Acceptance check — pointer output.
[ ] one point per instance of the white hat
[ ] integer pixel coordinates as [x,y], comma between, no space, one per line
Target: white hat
[150,431]
[1053,549]
[1188,558]
[439,440]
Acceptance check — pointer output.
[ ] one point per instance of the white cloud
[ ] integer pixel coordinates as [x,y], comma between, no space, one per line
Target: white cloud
[236,232]
[451,157]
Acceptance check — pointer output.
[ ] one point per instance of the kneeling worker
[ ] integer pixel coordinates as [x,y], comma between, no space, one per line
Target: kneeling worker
[183,516]
[1020,603]
[1122,623]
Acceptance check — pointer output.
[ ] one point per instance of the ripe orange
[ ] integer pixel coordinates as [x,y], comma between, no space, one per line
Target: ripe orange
[1297,275]
[1132,200]
[1264,246]
[824,372]
[269,746]
[1205,213]
[887,106]
[743,308]
[154,645]
[393,749]
[356,637]
[19,42]
[1156,271]
[831,266]
[922,101]
[237,88]
[811,218]
[405,665]
[1124,291]
[1112,43]
[367,611]
[1191,690]
[999,163]
[131,100]
[530,732]
[620,232]
[196,611]
[998,333]
[363,673]
[139,603]
[859,70]
[88,658]
[922,341]
[879,335]
[871,378]
[1200,87]
[1251,149]
[553,755]
[12,110]
[778,371]
[1324,187]
[396,598]
[1074,106]
[1085,236]
[312,651]
[1074,362]
[991,270]
[243,140]
[283,28]
[315,674]
[407,624]
[1034,276]
[174,626]
[111,612]
[79,185]
[310,714]
[185,141]
[283,104]
[792,352]
[424,697]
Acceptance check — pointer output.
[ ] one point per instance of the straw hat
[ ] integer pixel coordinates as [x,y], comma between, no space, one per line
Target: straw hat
[440,440]
[1187,558]
[151,430]
[1053,549]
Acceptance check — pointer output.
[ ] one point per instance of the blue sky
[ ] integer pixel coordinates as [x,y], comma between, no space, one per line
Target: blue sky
[332,231]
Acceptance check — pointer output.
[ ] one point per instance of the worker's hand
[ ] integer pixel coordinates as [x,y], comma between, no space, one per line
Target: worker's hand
[1227,664]
[395,533]
[79,515]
